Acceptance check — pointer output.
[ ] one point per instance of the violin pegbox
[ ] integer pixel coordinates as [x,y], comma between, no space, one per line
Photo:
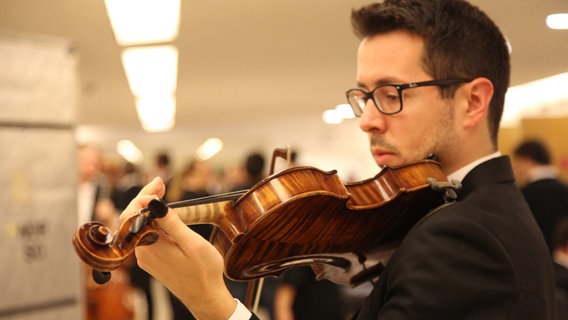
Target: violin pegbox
[156,209]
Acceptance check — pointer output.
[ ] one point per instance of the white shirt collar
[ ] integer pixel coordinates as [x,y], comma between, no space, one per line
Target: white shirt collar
[542,172]
[463,171]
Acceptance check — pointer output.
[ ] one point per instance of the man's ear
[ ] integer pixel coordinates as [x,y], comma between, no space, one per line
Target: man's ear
[479,96]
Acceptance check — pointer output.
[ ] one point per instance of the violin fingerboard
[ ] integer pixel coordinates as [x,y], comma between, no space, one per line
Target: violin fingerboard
[203,213]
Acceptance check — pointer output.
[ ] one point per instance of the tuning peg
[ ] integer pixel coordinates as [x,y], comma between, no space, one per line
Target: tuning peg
[158,208]
[100,277]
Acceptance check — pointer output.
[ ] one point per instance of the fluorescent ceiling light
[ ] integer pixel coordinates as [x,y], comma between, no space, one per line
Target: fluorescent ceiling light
[156,113]
[331,116]
[345,111]
[557,21]
[137,22]
[337,115]
[152,76]
[545,97]
[129,151]
[209,148]
[151,70]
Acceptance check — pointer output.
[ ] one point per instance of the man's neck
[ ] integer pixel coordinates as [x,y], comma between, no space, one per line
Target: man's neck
[463,171]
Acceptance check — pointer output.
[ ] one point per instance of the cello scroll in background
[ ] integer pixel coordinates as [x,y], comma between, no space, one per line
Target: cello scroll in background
[300,216]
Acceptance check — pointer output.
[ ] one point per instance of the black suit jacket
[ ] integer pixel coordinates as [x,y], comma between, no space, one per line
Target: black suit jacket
[482,257]
[561,274]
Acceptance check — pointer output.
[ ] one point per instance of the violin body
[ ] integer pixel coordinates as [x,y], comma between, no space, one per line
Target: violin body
[300,216]
[306,216]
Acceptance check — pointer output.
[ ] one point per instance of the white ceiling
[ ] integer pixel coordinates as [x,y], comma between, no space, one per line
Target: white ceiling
[269,68]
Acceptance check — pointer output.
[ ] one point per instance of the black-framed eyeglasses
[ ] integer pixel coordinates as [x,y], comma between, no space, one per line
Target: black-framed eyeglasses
[388,97]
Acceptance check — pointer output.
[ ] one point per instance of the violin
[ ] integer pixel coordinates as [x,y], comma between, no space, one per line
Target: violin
[300,216]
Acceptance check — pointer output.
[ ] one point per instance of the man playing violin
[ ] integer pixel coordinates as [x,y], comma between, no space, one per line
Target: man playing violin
[431,79]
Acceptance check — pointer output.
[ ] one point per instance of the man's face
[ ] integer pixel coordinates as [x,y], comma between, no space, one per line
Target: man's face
[426,123]
[88,163]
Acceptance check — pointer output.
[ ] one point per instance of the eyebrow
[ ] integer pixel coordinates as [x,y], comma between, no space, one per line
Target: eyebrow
[388,80]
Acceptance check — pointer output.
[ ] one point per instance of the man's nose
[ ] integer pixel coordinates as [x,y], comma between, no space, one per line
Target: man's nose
[371,119]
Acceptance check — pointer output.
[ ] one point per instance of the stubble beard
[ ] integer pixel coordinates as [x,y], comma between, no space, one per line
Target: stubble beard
[440,141]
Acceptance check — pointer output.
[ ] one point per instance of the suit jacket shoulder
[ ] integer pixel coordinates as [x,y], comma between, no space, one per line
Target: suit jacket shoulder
[475,259]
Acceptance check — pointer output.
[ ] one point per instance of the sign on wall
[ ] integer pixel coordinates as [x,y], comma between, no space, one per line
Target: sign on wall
[39,271]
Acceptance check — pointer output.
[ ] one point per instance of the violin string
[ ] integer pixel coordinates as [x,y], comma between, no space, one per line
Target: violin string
[208,199]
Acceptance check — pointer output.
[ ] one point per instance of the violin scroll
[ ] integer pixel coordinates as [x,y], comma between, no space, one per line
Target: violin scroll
[98,247]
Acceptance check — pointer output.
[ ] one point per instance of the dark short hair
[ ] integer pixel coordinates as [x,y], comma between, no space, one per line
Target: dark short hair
[254,164]
[163,159]
[535,150]
[460,41]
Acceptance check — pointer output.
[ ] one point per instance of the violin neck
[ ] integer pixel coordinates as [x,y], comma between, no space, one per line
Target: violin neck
[206,209]
[208,213]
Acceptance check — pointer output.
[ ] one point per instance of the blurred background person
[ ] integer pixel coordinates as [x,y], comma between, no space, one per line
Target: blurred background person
[560,264]
[113,300]
[254,166]
[94,190]
[196,180]
[162,167]
[299,296]
[545,193]
[126,188]
[234,176]
[128,185]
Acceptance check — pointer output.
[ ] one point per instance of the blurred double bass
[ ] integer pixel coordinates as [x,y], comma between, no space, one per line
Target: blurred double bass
[299,216]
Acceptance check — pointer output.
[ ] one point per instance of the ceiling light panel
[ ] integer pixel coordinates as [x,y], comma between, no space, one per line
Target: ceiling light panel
[136,22]
[157,113]
[151,70]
